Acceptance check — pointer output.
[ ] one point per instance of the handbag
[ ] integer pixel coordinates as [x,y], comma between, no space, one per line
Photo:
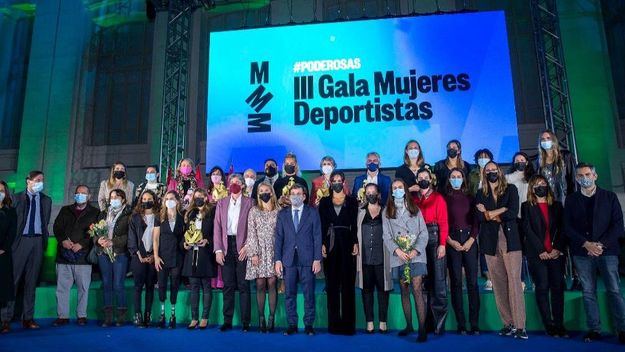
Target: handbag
[92,257]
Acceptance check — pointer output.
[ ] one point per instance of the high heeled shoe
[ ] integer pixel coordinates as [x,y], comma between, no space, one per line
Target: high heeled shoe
[203,324]
[262,326]
[192,325]
[172,322]
[161,321]
[271,324]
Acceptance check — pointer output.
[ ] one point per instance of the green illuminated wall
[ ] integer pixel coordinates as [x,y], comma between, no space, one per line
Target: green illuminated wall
[591,87]
[60,32]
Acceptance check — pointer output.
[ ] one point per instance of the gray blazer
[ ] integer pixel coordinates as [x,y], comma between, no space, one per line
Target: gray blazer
[388,280]
[405,223]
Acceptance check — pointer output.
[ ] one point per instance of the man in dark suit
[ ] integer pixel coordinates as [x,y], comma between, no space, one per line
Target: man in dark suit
[373,175]
[230,234]
[593,223]
[271,176]
[298,256]
[33,215]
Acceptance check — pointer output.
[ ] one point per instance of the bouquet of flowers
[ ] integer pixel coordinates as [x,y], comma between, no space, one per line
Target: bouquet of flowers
[98,230]
[405,242]
[361,193]
[219,192]
[286,190]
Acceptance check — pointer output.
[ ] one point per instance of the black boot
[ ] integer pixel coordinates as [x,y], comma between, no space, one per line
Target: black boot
[262,326]
[139,320]
[271,324]
[161,321]
[422,336]
[108,317]
[172,322]
[121,316]
[147,319]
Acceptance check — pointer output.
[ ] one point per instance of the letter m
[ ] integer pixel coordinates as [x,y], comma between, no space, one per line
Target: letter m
[257,100]
[257,75]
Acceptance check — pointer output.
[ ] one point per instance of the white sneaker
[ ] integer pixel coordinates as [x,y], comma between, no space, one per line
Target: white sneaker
[488,286]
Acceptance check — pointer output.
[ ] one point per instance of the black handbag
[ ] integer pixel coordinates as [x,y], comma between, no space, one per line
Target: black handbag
[92,257]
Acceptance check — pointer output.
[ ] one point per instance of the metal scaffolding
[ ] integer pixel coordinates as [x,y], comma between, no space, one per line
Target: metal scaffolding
[552,73]
[175,81]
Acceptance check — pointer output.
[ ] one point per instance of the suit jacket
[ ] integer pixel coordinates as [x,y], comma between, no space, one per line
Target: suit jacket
[384,183]
[22,205]
[220,233]
[489,230]
[534,229]
[306,241]
[169,242]
[607,225]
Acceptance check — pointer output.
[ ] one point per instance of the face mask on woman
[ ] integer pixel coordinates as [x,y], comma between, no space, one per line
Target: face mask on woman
[413,154]
[546,145]
[456,183]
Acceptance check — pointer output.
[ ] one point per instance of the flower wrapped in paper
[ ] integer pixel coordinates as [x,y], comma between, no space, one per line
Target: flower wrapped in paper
[98,230]
[406,242]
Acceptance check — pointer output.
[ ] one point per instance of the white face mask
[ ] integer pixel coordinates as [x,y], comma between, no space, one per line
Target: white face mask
[249,182]
[171,203]
[327,169]
[37,187]
[116,203]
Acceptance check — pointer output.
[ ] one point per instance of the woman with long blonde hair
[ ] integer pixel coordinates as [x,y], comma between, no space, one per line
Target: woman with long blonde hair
[556,165]
[118,179]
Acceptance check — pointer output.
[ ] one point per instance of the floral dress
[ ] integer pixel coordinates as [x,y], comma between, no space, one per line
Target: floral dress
[261,230]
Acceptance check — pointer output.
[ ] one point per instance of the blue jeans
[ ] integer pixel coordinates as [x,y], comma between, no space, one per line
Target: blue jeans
[113,275]
[608,268]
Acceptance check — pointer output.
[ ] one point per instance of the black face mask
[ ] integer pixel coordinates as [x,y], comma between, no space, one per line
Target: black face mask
[541,191]
[270,171]
[147,205]
[452,153]
[520,166]
[199,202]
[265,197]
[337,187]
[492,177]
[424,184]
[372,198]
[289,169]
[119,174]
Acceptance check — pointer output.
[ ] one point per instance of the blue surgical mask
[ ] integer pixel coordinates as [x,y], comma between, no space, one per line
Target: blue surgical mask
[456,183]
[585,182]
[546,145]
[399,193]
[150,177]
[80,198]
[2,195]
[37,187]
[482,162]
[413,153]
[116,203]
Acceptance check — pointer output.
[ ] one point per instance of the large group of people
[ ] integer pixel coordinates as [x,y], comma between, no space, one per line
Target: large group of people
[425,226]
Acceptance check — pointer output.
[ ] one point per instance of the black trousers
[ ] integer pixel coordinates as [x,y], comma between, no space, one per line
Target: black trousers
[456,261]
[340,273]
[173,274]
[548,276]
[233,276]
[373,279]
[198,283]
[436,284]
[145,276]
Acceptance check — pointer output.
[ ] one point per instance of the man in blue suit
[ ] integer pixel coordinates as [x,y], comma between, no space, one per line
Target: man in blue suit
[298,256]
[373,175]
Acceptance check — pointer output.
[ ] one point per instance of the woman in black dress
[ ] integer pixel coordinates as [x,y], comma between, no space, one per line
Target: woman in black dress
[168,254]
[199,260]
[338,214]
[8,223]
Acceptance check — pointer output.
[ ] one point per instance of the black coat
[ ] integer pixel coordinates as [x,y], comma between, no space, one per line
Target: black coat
[489,230]
[169,243]
[22,205]
[120,231]
[534,228]
[8,225]
[346,235]
[136,229]
[403,172]
[202,263]
[607,225]
[68,226]
[442,175]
